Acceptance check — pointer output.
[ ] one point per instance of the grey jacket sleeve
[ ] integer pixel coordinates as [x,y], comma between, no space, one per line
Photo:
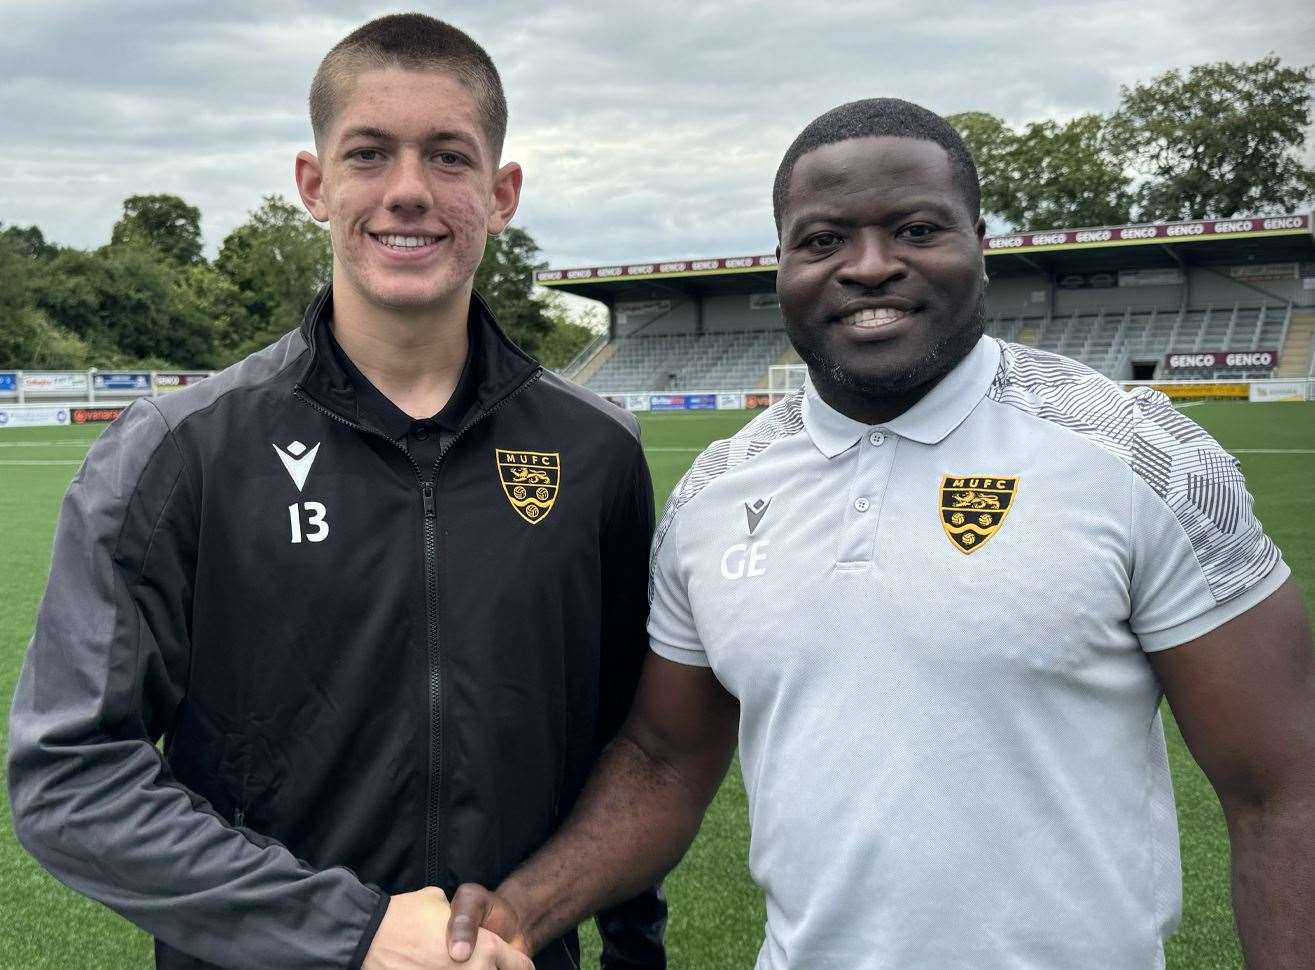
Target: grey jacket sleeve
[107,667]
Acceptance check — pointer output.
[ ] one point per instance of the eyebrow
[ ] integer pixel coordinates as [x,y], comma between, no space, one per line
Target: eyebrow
[824,213]
[379,134]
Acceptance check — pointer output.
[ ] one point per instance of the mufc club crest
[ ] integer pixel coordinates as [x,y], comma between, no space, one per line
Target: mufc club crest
[530,480]
[973,507]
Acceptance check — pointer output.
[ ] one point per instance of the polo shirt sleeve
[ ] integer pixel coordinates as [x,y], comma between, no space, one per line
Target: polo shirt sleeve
[671,631]
[1199,555]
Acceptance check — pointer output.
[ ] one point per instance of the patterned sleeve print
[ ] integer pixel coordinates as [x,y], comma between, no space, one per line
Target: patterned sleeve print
[1200,483]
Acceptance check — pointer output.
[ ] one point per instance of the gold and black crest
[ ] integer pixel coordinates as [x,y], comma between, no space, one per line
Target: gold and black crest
[973,507]
[530,480]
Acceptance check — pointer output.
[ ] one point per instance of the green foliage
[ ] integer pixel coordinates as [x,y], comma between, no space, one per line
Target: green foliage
[129,304]
[1221,140]
[27,337]
[1049,175]
[505,279]
[164,223]
[272,265]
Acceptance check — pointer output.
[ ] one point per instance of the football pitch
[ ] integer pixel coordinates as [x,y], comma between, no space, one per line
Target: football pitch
[716,913]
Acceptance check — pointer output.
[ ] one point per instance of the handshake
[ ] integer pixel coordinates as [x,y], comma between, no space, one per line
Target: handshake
[480,931]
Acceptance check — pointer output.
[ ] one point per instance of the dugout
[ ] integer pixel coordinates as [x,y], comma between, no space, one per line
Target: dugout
[1138,301]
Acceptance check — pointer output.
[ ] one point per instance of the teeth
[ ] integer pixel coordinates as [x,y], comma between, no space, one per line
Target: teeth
[880,317]
[407,242]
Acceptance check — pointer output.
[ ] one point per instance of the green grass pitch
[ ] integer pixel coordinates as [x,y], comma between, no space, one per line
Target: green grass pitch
[716,913]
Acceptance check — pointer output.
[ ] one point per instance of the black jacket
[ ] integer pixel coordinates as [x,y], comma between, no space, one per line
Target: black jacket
[364,685]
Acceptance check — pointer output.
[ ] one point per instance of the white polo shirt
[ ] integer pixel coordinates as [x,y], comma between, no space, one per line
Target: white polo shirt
[936,631]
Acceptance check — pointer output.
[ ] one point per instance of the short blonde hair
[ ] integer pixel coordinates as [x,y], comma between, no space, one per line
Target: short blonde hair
[412,41]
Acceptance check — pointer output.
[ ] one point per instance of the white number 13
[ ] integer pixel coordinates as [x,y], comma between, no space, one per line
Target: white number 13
[315,513]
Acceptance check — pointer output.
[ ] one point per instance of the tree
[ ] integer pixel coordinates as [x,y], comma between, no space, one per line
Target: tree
[276,261]
[505,279]
[989,140]
[129,304]
[1222,140]
[162,222]
[29,240]
[568,335]
[1051,174]
[1064,174]
[27,337]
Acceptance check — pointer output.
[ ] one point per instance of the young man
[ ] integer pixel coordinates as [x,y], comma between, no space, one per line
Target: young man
[940,594]
[380,588]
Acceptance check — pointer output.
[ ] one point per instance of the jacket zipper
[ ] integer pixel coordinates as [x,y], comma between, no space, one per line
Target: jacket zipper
[430,519]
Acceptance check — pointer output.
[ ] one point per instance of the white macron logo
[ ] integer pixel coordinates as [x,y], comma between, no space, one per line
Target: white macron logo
[298,461]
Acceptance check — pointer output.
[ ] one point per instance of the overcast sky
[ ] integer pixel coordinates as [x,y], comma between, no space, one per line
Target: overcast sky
[647,131]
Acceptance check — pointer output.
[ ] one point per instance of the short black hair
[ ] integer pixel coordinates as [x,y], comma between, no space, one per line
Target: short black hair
[876,118]
[413,41]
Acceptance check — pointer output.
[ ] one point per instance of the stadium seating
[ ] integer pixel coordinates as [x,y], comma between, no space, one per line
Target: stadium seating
[690,362]
[1106,340]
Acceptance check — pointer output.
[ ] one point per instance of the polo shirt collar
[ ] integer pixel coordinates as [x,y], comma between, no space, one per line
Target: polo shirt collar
[929,421]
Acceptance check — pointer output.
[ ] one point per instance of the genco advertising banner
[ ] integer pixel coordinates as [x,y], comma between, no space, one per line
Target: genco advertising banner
[1222,360]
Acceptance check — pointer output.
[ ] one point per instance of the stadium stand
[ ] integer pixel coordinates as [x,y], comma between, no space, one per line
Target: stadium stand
[1213,299]
[680,362]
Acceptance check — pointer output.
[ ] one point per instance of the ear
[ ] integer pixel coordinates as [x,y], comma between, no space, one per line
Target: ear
[506,197]
[310,185]
[980,229]
[778,252]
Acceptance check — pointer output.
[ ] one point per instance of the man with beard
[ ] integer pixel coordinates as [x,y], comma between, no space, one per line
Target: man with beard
[940,594]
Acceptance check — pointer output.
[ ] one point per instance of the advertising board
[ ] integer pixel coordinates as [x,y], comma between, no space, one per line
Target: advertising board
[1279,390]
[33,416]
[122,381]
[8,382]
[1221,360]
[94,414]
[176,380]
[1195,390]
[54,382]
[730,401]
[666,402]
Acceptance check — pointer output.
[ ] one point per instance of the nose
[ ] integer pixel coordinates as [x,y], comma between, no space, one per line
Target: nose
[873,261]
[408,188]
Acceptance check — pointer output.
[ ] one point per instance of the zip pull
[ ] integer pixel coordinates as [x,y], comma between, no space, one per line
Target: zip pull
[427,493]
[239,819]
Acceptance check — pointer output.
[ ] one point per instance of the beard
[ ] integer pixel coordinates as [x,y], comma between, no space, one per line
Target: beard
[952,347]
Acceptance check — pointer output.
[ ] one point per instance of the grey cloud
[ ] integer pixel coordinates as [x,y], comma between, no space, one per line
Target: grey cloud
[646,132]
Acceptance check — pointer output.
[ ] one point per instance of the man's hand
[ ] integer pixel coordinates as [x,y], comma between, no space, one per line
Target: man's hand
[476,909]
[412,937]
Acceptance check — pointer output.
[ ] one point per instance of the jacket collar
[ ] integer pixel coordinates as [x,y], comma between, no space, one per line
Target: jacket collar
[929,421]
[495,368]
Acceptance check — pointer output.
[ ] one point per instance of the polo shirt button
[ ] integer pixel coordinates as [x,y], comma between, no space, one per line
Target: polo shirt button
[878,438]
[862,504]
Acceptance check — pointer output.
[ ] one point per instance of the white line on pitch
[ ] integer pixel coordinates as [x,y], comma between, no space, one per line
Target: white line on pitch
[39,461]
[1271,451]
[44,444]
[673,449]
[1190,404]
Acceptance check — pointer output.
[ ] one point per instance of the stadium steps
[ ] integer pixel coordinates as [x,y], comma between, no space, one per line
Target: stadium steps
[592,366]
[1294,357]
[1027,335]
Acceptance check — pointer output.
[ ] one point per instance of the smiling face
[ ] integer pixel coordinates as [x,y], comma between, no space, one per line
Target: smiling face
[410,189]
[880,272]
